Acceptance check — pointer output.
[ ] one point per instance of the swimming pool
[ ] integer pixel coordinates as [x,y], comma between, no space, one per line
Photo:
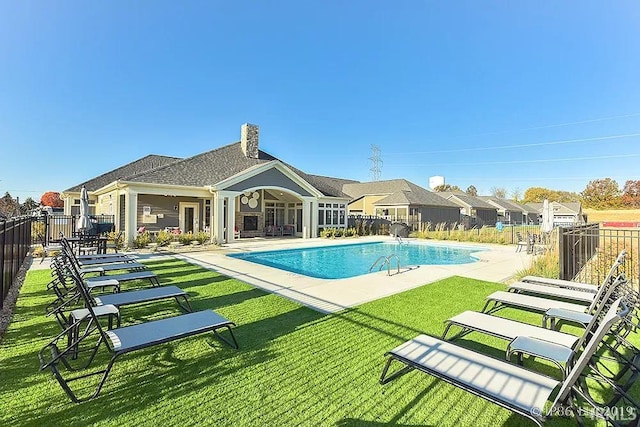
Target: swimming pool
[342,261]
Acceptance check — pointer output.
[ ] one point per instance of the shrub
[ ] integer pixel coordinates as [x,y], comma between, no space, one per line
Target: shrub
[186,238]
[164,238]
[142,240]
[202,237]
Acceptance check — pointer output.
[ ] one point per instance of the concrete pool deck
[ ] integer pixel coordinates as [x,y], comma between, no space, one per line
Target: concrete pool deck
[497,264]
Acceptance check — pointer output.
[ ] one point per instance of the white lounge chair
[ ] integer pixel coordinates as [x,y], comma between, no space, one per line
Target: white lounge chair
[569,284]
[510,386]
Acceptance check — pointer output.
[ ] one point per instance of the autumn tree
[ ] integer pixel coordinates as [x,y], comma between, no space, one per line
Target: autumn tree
[631,194]
[538,194]
[568,196]
[499,192]
[8,205]
[51,198]
[446,187]
[601,194]
[472,190]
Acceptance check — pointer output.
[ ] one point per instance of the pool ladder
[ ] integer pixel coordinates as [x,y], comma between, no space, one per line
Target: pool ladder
[386,260]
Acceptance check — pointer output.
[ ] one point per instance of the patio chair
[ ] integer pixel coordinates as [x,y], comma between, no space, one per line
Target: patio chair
[613,272]
[510,386]
[521,242]
[113,244]
[122,340]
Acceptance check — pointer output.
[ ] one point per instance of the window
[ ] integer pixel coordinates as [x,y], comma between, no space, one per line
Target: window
[274,214]
[332,214]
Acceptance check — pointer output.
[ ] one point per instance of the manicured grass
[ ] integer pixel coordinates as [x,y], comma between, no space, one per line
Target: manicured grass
[295,366]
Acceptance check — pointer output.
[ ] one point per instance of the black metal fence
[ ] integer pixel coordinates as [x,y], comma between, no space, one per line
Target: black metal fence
[587,252]
[15,242]
[48,227]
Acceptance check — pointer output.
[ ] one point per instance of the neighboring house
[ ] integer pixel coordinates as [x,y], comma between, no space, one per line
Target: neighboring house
[235,189]
[564,214]
[509,212]
[399,200]
[474,211]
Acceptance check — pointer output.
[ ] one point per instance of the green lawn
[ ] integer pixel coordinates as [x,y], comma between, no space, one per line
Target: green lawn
[295,366]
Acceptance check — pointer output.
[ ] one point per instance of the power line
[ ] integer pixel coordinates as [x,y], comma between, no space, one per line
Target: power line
[566,159]
[536,144]
[599,119]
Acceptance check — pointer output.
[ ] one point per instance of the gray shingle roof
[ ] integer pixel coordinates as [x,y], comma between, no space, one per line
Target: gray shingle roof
[474,202]
[400,191]
[201,170]
[507,205]
[136,167]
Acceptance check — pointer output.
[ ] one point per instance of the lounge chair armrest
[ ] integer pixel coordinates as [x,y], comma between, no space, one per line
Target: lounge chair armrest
[556,353]
[576,317]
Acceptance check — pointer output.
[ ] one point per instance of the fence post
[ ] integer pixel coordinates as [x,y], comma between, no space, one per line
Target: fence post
[561,253]
[3,230]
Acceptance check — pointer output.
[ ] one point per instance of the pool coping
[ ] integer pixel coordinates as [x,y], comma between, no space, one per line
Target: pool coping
[497,263]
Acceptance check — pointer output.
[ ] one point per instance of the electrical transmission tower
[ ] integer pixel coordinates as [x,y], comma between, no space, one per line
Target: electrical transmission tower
[377,163]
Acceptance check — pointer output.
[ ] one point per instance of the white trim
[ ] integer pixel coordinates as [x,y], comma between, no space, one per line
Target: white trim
[258,169]
[196,215]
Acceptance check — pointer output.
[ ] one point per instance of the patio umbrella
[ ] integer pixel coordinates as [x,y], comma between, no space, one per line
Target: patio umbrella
[547,217]
[84,222]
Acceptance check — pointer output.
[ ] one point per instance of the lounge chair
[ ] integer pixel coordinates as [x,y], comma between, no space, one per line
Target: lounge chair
[572,312]
[511,330]
[552,291]
[510,386]
[100,269]
[524,338]
[123,340]
[613,272]
[109,280]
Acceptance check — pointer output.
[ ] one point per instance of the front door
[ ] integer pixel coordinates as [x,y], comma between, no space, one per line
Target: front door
[189,217]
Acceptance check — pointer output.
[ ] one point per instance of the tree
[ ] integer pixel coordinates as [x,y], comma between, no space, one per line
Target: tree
[515,194]
[472,191]
[631,194]
[51,198]
[28,206]
[538,194]
[499,192]
[568,196]
[446,187]
[601,194]
[8,206]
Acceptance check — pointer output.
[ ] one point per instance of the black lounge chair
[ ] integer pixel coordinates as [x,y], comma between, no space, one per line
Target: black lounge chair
[122,340]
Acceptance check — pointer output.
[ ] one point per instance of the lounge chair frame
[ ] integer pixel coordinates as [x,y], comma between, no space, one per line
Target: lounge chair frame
[120,341]
[569,389]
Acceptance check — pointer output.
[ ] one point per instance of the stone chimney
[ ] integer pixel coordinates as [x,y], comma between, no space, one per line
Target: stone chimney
[249,140]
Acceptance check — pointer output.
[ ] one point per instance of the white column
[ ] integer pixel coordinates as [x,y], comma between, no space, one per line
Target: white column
[314,219]
[306,218]
[212,209]
[231,217]
[131,216]
[218,224]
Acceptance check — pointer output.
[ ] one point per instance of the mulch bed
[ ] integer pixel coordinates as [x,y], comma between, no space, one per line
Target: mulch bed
[6,313]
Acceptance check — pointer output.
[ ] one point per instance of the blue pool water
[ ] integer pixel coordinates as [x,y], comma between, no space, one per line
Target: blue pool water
[342,261]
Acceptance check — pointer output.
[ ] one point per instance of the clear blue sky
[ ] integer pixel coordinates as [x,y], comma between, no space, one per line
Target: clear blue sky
[86,87]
